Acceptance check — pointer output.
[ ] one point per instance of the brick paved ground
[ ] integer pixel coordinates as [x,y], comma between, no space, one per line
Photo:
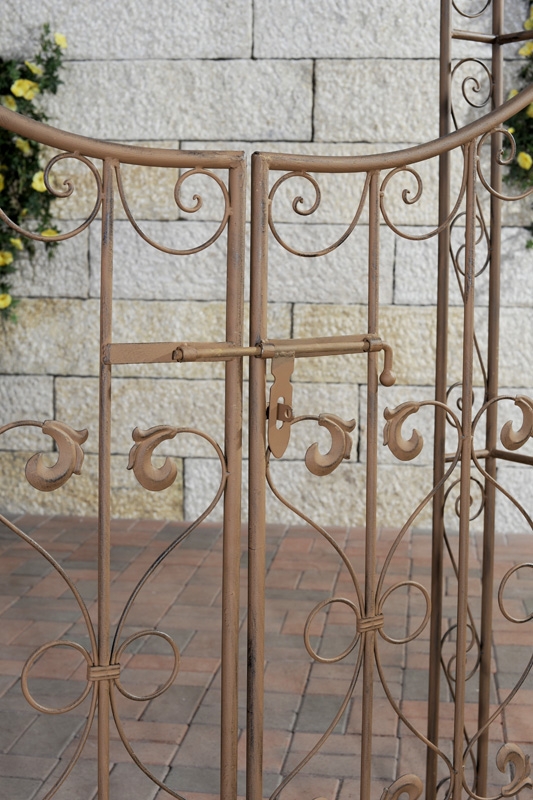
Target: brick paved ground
[176,734]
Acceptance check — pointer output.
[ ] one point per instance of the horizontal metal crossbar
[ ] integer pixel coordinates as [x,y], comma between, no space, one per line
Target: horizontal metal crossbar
[156,352]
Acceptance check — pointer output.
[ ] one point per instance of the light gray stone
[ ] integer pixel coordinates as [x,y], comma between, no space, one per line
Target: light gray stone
[194,99]
[63,273]
[346,29]
[109,29]
[52,337]
[26,397]
[416,269]
[517,481]
[143,271]
[516,346]
[517,270]
[337,277]
[355,101]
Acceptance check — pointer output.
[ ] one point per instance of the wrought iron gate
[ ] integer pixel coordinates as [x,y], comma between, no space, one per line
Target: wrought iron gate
[274,415]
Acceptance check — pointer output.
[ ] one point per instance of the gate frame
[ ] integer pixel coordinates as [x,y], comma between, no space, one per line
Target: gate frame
[232,351]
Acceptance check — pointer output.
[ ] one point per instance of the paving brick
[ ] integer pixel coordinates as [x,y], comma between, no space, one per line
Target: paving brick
[46,739]
[25,766]
[178,704]
[19,788]
[14,723]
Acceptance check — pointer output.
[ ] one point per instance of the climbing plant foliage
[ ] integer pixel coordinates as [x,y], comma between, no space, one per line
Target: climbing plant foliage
[24,197]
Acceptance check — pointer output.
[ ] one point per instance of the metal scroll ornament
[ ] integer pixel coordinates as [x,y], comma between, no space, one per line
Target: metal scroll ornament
[155,479]
[70,459]
[403,449]
[511,439]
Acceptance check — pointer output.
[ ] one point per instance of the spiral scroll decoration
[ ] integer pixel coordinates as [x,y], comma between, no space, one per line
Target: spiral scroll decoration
[183,207]
[297,207]
[475,14]
[409,199]
[503,160]
[63,194]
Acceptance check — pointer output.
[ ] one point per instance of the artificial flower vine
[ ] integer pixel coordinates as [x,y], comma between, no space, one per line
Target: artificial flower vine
[23,193]
[521,125]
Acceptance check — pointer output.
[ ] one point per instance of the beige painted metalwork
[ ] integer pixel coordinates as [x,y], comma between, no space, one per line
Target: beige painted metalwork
[273,415]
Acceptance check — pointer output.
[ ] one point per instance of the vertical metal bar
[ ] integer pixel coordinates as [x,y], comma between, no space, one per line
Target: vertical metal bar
[257,481]
[371,490]
[104,477]
[466,456]
[487,575]
[441,369]
[229,729]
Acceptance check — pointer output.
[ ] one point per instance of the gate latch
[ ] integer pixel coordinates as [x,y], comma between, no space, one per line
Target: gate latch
[280,404]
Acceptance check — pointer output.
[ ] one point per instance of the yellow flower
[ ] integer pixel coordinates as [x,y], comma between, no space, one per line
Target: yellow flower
[5,300]
[49,232]
[528,24]
[23,145]
[60,39]
[529,110]
[24,88]
[2,182]
[16,243]
[512,93]
[510,130]
[9,102]
[34,68]
[524,160]
[5,258]
[38,182]
[526,49]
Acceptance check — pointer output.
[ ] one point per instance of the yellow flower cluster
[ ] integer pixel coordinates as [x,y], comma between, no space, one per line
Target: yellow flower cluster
[5,300]
[5,258]
[524,160]
[528,24]
[34,68]
[2,182]
[23,145]
[61,40]
[49,232]
[25,88]
[9,102]
[16,243]
[38,182]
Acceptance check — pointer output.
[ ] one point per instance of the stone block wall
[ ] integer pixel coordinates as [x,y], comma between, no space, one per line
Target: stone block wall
[331,78]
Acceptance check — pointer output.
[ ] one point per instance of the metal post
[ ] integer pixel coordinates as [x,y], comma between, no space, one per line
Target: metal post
[104,478]
[441,369]
[229,730]
[371,491]
[257,483]
[466,456]
[492,412]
